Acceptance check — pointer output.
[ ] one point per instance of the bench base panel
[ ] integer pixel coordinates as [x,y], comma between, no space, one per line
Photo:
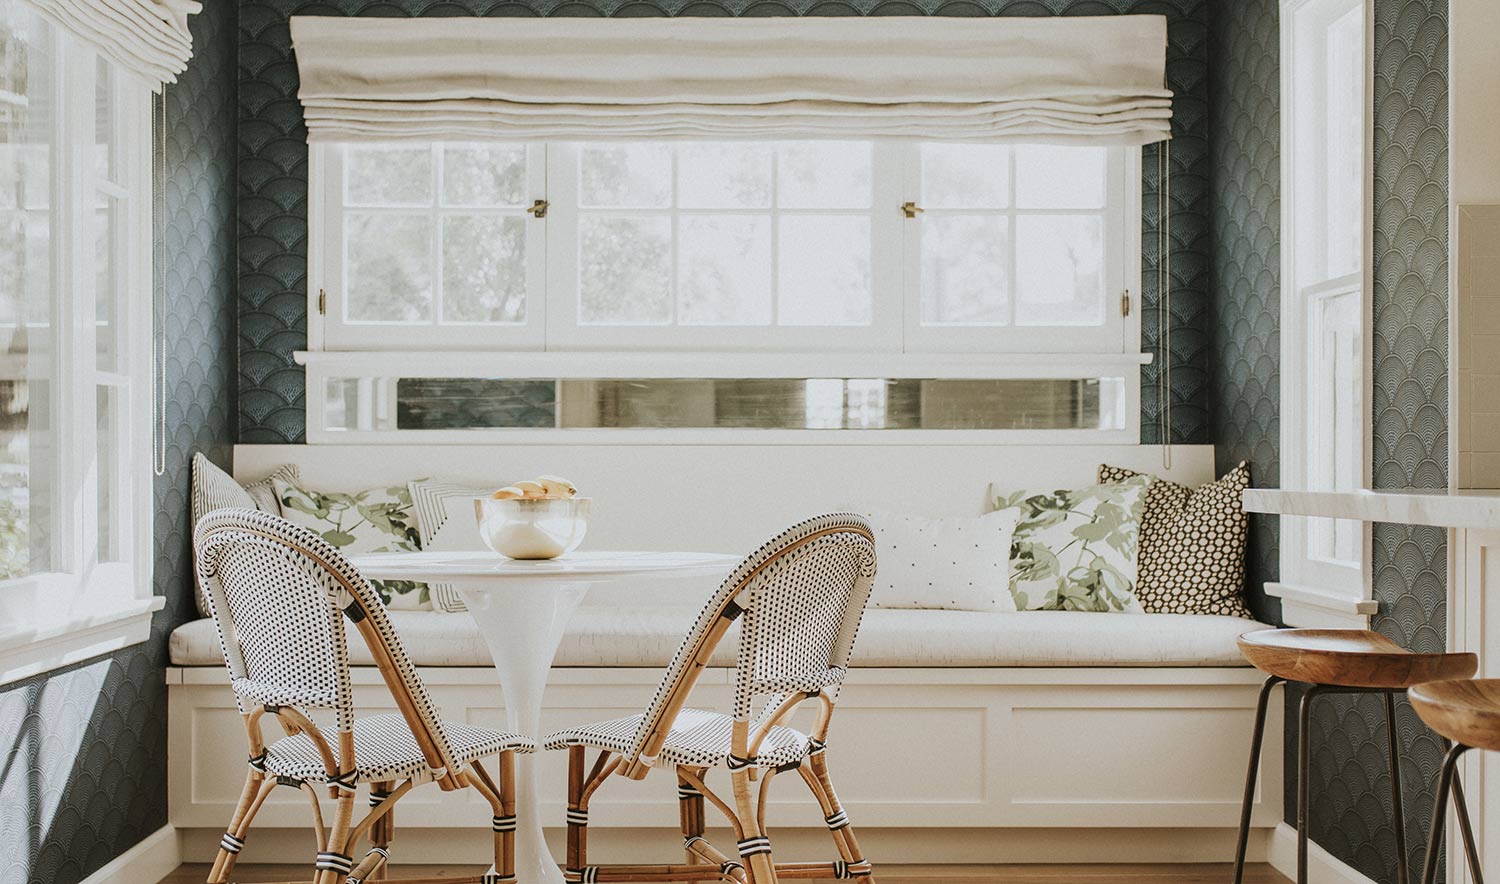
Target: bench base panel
[1011,761]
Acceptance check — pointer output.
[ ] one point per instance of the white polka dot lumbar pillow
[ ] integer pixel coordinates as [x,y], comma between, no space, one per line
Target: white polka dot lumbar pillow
[956,564]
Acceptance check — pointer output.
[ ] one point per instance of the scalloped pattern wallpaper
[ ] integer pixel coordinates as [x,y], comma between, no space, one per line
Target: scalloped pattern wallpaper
[87,777]
[273,184]
[1351,803]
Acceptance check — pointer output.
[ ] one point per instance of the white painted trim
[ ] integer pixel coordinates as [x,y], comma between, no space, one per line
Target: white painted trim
[1307,606]
[1478,510]
[151,859]
[1322,867]
[898,852]
[582,364]
[25,652]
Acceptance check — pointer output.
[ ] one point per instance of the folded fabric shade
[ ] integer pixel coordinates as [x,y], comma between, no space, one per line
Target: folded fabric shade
[147,37]
[1062,79]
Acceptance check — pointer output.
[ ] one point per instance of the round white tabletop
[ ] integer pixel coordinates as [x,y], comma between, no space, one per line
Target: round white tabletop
[521,608]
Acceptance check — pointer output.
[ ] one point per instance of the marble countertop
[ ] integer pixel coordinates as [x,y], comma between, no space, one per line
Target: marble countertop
[1444,509]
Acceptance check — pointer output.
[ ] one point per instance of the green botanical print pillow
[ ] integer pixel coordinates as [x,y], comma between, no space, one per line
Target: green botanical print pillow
[374,520]
[1075,550]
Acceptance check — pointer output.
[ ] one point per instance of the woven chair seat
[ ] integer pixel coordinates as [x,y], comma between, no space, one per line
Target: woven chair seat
[698,738]
[385,750]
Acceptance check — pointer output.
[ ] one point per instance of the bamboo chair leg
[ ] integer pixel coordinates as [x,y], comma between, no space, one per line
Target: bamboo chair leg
[251,798]
[338,839]
[507,864]
[383,830]
[815,773]
[499,823]
[690,814]
[755,847]
[577,815]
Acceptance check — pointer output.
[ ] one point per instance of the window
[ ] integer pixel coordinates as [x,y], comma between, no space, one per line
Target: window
[1325,261]
[847,249]
[75,491]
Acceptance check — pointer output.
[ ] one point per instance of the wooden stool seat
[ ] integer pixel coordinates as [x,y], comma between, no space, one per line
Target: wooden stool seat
[1466,712]
[1351,658]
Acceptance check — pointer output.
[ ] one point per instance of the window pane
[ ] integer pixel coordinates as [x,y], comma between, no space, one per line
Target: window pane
[824,274]
[104,120]
[1345,142]
[624,270]
[965,261]
[721,175]
[28,443]
[635,176]
[965,176]
[387,176]
[484,175]
[724,270]
[109,446]
[484,268]
[388,267]
[827,403]
[108,287]
[824,174]
[1059,270]
[1059,177]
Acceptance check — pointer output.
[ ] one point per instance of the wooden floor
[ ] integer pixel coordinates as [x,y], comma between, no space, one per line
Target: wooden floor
[1218,873]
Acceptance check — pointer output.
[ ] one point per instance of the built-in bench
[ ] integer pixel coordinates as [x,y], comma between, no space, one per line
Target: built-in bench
[961,737]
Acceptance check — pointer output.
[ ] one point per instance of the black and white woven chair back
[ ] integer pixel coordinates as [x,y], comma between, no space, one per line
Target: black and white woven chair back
[278,595]
[799,598]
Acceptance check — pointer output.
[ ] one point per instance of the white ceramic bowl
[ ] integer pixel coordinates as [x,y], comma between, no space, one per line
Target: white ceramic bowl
[533,529]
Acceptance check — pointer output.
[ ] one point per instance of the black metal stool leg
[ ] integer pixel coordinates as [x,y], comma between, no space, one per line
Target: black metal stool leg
[1440,814]
[1465,828]
[1398,817]
[1304,775]
[1256,739]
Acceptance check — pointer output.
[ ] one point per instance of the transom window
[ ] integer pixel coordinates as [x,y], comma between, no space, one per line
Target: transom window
[873,247]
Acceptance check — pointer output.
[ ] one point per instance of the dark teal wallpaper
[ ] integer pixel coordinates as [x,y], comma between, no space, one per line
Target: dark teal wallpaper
[273,183]
[1351,803]
[85,777]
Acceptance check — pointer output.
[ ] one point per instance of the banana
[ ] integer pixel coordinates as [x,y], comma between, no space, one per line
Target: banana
[531,489]
[557,486]
[509,492]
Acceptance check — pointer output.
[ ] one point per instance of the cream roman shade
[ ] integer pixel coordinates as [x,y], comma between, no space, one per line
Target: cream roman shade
[1082,80]
[146,37]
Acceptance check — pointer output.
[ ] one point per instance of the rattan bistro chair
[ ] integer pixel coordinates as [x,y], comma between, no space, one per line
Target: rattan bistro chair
[278,595]
[799,600]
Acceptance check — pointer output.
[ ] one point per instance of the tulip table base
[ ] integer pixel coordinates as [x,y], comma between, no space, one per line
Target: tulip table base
[522,622]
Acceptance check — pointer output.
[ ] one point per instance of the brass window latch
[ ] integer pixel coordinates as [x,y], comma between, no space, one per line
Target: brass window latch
[910,209]
[322,302]
[538,208]
[1125,303]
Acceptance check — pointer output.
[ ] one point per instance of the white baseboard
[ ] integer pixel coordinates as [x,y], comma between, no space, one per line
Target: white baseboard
[154,858]
[883,846]
[1322,866]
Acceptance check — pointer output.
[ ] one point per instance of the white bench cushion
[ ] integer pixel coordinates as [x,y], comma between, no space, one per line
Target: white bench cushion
[888,638]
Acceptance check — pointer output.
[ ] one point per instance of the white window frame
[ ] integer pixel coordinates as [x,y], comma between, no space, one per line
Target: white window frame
[1122,263]
[883,334]
[893,345]
[85,608]
[326,177]
[1315,590]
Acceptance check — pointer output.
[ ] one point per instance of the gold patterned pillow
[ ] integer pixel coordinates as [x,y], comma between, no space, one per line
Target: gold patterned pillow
[1192,556]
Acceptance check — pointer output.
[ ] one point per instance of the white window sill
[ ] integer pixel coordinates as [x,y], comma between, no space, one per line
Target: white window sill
[1306,606]
[27,649]
[580,364]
